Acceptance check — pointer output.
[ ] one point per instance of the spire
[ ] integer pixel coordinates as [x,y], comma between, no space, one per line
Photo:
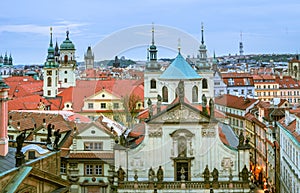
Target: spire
[202,33]
[152,33]
[241,45]
[179,46]
[51,44]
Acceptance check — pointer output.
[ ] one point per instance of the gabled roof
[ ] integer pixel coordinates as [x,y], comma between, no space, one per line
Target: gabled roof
[234,101]
[179,69]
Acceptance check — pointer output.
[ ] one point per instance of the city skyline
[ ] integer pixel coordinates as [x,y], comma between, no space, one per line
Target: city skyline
[267,26]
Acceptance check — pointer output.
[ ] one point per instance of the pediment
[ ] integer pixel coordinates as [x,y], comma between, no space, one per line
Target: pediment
[102,95]
[178,114]
[93,130]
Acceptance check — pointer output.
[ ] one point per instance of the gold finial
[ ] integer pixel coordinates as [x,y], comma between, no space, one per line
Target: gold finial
[179,46]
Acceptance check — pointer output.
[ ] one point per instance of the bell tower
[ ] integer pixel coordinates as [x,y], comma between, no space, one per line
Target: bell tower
[50,86]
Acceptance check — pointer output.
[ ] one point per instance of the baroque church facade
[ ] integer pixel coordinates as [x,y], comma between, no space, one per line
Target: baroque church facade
[181,148]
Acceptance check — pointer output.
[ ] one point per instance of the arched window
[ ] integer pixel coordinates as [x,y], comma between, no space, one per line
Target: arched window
[66,59]
[204,84]
[195,94]
[153,84]
[165,94]
[49,81]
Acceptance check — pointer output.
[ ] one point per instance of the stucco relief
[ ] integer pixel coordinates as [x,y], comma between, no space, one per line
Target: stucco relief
[181,114]
[208,132]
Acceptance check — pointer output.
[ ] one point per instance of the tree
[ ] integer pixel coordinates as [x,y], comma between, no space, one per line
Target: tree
[129,103]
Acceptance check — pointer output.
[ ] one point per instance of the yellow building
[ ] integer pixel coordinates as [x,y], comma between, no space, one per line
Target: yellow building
[266,87]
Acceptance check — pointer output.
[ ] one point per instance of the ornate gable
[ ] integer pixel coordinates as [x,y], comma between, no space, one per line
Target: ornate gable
[179,113]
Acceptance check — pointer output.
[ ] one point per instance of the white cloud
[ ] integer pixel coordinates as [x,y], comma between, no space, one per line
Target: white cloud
[59,28]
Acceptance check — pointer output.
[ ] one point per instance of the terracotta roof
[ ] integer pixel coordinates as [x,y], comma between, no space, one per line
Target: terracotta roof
[287,82]
[31,120]
[234,101]
[223,137]
[291,128]
[26,103]
[91,155]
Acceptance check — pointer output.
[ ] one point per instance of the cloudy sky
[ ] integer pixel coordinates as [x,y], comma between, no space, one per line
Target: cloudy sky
[267,26]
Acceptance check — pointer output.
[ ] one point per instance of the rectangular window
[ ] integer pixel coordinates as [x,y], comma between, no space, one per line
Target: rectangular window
[93,169]
[63,168]
[65,80]
[49,92]
[93,146]
[89,169]
[103,105]
[116,105]
[98,169]
[31,154]
[90,105]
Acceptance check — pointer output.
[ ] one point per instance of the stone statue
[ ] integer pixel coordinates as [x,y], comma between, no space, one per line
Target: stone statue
[245,174]
[215,175]
[206,174]
[211,108]
[121,174]
[49,133]
[20,140]
[180,90]
[160,174]
[204,103]
[158,98]
[241,140]
[151,174]
[56,140]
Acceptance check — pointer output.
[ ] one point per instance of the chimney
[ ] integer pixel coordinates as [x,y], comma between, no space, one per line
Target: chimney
[3,118]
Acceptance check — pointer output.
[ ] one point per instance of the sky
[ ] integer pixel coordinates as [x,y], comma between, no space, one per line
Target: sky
[267,26]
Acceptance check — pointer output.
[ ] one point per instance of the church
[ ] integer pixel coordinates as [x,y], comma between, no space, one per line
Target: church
[59,68]
[180,147]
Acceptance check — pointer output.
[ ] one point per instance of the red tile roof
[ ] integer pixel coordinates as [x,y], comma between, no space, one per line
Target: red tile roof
[234,101]
[91,155]
[287,82]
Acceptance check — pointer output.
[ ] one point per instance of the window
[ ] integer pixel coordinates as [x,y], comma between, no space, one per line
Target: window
[10,137]
[66,59]
[103,105]
[31,155]
[63,168]
[49,81]
[66,72]
[204,84]
[65,80]
[90,105]
[94,169]
[96,146]
[49,92]
[195,94]
[153,84]
[89,169]
[116,105]
[49,72]
[165,94]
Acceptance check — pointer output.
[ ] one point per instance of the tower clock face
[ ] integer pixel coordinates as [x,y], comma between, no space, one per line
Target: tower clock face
[49,72]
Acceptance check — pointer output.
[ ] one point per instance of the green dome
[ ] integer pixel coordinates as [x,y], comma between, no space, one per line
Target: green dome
[67,44]
[152,47]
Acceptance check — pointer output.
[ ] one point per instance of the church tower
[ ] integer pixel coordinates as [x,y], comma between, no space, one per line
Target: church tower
[3,117]
[67,63]
[50,86]
[89,58]
[204,69]
[152,73]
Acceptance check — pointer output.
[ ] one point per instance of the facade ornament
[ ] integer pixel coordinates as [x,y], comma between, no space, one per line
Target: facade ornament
[121,174]
[151,175]
[215,175]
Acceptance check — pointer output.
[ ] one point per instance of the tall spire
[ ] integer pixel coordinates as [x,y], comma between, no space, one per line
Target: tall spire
[179,46]
[152,33]
[202,33]
[241,45]
[51,43]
